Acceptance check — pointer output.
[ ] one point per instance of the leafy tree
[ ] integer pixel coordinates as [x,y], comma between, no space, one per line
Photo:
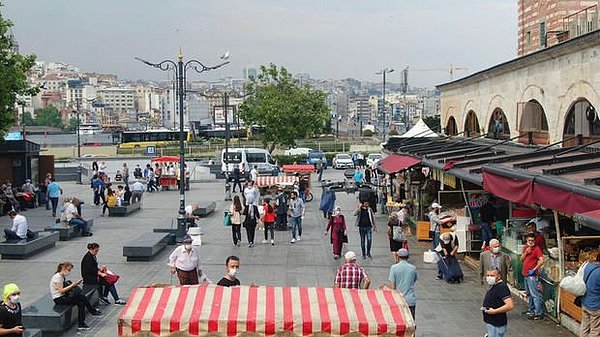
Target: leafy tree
[433,122]
[27,119]
[286,109]
[72,125]
[368,133]
[48,117]
[13,76]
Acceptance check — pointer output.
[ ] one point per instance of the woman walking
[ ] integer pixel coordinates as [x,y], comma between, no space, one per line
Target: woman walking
[268,219]
[250,221]
[235,213]
[397,242]
[337,225]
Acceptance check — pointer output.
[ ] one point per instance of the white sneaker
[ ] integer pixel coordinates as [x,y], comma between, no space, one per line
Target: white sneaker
[293,240]
[265,241]
[299,238]
[272,242]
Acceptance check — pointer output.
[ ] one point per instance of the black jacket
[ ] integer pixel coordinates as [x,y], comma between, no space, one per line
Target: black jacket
[89,269]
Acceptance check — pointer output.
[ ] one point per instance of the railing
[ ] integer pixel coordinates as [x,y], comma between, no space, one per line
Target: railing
[581,22]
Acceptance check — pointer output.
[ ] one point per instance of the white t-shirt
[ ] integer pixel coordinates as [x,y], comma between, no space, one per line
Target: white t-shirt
[253,174]
[57,278]
[70,211]
[20,226]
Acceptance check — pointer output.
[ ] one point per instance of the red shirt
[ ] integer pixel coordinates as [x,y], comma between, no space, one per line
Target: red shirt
[540,241]
[350,275]
[531,260]
[269,216]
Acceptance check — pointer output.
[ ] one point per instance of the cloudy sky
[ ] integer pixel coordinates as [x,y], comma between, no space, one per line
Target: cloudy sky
[325,38]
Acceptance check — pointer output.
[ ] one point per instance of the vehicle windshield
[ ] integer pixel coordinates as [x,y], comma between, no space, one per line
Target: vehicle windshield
[315,154]
[256,157]
[344,156]
[233,157]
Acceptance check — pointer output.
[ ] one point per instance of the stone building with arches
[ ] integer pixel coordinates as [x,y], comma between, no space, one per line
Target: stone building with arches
[546,97]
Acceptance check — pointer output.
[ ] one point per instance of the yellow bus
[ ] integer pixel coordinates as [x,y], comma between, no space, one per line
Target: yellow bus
[157,138]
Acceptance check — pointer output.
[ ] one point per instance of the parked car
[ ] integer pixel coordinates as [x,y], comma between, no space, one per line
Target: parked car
[314,156]
[342,160]
[373,159]
[298,151]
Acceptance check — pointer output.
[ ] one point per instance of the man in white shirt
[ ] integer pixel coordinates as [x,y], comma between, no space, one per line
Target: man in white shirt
[137,189]
[254,173]
[185,261]
[251,194]
[19,227]
[74,219]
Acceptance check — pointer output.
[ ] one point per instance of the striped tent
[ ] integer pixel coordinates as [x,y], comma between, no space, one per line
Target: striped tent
[270,181]
[210,310]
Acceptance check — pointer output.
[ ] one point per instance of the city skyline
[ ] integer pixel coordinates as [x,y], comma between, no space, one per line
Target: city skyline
[332,40]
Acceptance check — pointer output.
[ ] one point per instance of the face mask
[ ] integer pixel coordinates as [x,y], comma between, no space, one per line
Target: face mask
[337,212]
[67,272]
[446,241]
[495,250]
[187,246]
[233,272]
[490,280]
[14,299]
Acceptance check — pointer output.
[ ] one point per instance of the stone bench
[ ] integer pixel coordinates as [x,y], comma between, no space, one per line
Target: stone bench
[171,231]
[53,319]
[145,246]
[205,208]
[124,210]
[32,333]
[21,249]
[65,231]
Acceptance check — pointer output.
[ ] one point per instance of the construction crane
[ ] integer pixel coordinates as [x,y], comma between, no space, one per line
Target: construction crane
[451,69]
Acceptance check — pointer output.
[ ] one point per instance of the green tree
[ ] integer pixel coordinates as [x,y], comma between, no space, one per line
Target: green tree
[433,122]
[286,109]
[13,76]
[28,120]
[48,117]
[72,125]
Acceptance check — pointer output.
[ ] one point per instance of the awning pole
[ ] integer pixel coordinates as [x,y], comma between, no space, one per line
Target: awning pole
[560,260]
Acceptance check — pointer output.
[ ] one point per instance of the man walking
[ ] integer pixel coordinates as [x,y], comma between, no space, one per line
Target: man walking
[496,303]
[232,267]
[533,260]
[365,220]
[185,261]
[281,202]
[590,305]
[350,275]
[54,192]
[236,177]
[435,224]
[251,194]
[494,259]
[403,276]
[320,168]
[296,211]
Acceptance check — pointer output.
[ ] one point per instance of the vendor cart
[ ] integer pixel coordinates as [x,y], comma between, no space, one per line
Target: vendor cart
[210,310]
[167,181]
[304,172]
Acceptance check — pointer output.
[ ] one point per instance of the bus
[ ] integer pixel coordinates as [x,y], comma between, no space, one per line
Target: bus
[89,128]
[158,138]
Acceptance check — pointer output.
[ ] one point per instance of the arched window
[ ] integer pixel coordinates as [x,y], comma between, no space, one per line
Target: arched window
[498,126]
[451,128]
[472,125]
[582,118]
[533,123]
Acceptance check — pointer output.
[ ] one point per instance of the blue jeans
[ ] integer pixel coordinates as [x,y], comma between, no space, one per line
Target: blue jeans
[85,228]
[534,296]
[436,239]
[110,288]
[486,233]
[495,331]
[366,239]
[302,195]
[296,226]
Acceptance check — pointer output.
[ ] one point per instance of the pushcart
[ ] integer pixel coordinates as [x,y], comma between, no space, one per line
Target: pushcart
[168,181]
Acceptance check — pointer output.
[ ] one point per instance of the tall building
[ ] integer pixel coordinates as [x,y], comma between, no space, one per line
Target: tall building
[543,23]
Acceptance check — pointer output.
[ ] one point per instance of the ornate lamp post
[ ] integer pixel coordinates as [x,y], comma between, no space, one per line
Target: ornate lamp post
[180,69]
[383,72]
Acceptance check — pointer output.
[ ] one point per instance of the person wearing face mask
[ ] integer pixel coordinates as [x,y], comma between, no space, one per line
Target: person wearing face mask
[185,261]
[337,225]
[448,267]
[232,268]
[10,312]
[296,211]
[494,258]
[496,303]
[533,259]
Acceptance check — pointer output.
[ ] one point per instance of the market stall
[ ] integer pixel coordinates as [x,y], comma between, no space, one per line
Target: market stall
[210,310]
[168,181]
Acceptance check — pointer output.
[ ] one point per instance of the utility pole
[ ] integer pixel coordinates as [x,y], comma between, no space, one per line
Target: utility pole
[383,72]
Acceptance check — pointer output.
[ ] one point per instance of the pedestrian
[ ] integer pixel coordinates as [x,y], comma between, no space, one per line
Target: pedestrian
[236,177]
[54,192]
[496,303]
[268,218]
[137,190]
[95,170]
[111,201]
[63,291]
[337,226]
[486,215]
[151,181]
[97,276]
[232,267]
[368,174]
[137,172]
[327,202]
[185,261]
[394,225]
[358,176]
[320,168]
[146,171]
[435,224]
[350,275]
[10,311]
[302,186]
[125,174]
[254,174]
[590,304]
[20,229]
[252,215]
[281,203]
[96,189]
[448,266]
[235,214]
[403,277]
[494,258]
[251,194]
[296,212]
[365,221]
[533,259]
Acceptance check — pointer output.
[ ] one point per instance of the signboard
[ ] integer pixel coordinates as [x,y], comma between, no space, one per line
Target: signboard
[151,150]
[17,135]
[219,115]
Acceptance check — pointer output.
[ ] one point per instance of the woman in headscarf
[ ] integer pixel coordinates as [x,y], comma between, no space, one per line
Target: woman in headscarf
[337,225]
[327,203]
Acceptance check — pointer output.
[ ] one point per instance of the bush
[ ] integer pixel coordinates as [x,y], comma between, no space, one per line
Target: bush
[368,133]
[393,132]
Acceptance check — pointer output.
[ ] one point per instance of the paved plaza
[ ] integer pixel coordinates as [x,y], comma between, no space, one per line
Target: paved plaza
[442,309]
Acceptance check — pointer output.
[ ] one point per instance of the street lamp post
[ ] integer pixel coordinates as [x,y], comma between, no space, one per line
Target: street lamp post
[79,181]
[226,113]
[180,68]
[383,72]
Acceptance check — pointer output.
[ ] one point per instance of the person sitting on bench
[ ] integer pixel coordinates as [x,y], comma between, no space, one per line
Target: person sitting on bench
[189,214]
[19,230]
[73,218]
[126,196]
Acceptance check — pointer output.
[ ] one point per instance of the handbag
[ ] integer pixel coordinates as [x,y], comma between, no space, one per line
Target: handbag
[227,219]
[575,284]
[111,278]
[74,292]
[398,234]
[431,234]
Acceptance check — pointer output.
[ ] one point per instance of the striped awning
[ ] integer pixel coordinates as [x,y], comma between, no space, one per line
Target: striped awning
[264,311]
[270,181]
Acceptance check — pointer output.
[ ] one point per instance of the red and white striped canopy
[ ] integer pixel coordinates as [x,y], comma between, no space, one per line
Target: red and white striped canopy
[264,311]
[270,181]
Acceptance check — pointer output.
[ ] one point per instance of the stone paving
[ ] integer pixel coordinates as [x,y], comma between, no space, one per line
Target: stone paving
[442,309]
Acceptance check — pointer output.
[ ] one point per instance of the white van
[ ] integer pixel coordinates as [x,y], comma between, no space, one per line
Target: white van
[249,157]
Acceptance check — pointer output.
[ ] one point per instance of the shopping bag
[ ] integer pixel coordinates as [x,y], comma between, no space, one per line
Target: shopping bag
[227,219]
[575,284]
[430,257]
[398,234]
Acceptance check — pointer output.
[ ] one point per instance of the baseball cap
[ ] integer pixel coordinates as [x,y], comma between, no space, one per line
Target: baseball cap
[187,238]
[403,252]
[436,205]
[350,255]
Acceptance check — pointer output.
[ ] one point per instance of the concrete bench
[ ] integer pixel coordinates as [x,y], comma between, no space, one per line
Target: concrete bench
[124,210]
[21,249]
[205,208]
[145,246]
[65,231]
[171,231]
[32,333]
[53,319]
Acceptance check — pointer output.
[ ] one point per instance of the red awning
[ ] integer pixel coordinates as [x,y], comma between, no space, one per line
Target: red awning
[562,200]
[210,310]
[298,168]
[509,188]
[166,159]
[590,219]
[270,181]
[395,163]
